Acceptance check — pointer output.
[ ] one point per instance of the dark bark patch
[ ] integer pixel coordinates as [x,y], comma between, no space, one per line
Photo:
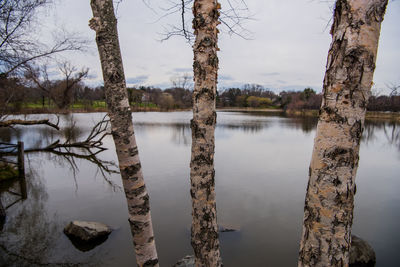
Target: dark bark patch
[150,263]
[133,151]
[356,131]
[205,92]
[141,209]
[211,120]
[353,57]
[136,226]
[115,77]
[336,181]
[199,71]
[203,159]
[376,12]
[130,171]
[341,7]
[329,114]
[197,132]
[206,42]
[341,157]
[214,14]
[198,22]
[138,190]
[213,61]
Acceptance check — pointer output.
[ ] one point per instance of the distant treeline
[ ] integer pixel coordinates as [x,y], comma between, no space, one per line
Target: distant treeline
[17,95]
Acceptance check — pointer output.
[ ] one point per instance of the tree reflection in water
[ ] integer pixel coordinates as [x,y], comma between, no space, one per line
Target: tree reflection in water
[32,234]
[390,129]
[29,234]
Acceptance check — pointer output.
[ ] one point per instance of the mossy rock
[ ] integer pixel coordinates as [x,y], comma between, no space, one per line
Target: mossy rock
[7,171]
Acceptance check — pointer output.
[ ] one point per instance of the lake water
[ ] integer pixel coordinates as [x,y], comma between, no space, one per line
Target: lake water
[261,164]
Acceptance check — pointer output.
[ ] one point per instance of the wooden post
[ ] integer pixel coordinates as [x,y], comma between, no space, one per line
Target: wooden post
[21,169]
[2,215]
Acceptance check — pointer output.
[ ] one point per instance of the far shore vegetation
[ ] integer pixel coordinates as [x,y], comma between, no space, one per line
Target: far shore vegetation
[17,98]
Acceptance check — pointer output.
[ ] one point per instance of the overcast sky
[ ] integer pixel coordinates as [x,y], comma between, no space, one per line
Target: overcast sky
[288,49]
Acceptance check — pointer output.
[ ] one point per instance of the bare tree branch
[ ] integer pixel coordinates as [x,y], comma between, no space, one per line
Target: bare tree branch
[393,89]
[93,144]
[10,123]
[232,18]
[19,47]
[60,91]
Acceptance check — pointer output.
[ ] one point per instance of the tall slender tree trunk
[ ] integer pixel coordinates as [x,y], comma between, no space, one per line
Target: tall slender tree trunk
[104,24]
[328,211]
[205,67]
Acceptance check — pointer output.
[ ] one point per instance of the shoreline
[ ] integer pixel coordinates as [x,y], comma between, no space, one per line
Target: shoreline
[370,115]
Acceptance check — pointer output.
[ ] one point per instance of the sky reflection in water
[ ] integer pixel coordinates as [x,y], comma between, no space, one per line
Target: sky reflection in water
[261,167]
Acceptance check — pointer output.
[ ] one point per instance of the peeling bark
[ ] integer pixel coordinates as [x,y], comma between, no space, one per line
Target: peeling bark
[204,231]
[328,211]
[104,24]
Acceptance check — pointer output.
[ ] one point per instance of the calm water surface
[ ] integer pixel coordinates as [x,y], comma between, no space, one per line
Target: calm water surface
[261,167]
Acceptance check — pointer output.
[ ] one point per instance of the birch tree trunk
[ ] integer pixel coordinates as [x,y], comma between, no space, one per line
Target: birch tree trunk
[204,231]
[328,211]
[104,24]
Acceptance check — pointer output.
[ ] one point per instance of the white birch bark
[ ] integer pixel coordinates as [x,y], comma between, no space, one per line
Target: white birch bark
[204,231]
[328,211]
[104,24]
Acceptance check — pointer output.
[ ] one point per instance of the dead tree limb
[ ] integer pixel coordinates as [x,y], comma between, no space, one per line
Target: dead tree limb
[11,123]
[93,142]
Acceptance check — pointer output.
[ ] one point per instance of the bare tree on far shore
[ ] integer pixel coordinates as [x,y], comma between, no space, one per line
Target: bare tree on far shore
[61,91]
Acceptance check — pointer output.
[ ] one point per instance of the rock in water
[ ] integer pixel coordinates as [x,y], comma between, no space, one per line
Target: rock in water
[361,253]
[87,231]
[187,261]
[222,228]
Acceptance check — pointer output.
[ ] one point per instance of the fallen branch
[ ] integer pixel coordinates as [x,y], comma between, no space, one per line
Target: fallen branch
[86,150]
[94,140]
[11,123]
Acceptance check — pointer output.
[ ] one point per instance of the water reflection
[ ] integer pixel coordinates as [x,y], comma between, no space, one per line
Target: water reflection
[258,157]
[181,132]
[70,132]
[246,122]
[390,129]
[306,124]
[30,233]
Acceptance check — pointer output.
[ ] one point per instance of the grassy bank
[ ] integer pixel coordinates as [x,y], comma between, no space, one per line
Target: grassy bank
[80,108]
[240,109]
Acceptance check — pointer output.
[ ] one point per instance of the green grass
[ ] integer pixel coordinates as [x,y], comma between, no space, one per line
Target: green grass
[35,105]
[99,104]
[77,105]
[94,105]
[143,105]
